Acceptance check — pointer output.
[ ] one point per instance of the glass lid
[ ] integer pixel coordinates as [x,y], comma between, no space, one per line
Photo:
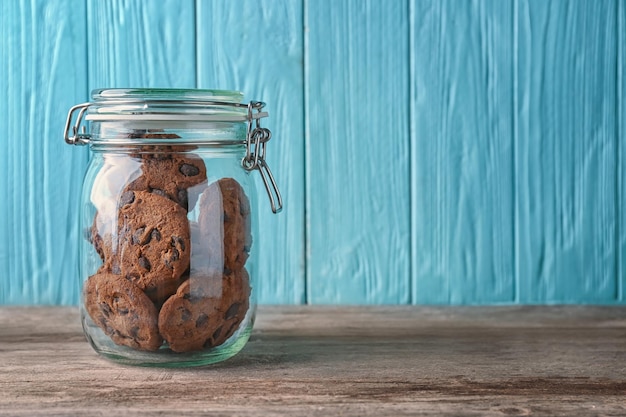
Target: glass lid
[113,104]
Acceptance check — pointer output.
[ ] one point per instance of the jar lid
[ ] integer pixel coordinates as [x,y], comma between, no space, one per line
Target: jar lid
[174,107]
[167,104]
[178,105]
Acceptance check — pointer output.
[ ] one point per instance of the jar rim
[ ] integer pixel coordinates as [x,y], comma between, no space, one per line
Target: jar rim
[166,94]
[167,104]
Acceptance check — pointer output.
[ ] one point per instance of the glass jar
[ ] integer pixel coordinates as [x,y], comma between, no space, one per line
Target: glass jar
[168,210]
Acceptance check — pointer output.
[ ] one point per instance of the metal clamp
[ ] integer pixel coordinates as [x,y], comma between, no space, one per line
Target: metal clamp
[83,137]
[256,141]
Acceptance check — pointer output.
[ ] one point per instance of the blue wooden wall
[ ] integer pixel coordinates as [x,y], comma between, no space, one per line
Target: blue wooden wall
[429,151]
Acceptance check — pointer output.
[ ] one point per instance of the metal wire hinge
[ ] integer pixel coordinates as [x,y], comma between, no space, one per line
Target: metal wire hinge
[256,141]
[77,138]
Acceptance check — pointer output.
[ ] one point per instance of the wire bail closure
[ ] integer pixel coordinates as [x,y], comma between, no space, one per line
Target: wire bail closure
[77,138]
[256,141]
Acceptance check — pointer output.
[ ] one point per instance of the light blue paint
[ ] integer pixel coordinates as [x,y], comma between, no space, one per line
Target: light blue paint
[462,152]
[566,151]
[429,151]
[358,205]
[148,43]
[42,72]
[621,151]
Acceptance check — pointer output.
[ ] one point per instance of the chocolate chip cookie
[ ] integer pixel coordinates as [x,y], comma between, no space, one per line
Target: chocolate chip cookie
[122,311]
[205,311]
[170,175]
[153,247]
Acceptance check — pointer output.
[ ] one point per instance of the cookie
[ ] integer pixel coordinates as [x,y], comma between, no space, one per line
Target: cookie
[205,311]
[122,311]
[153,243]
[225,236]
[235,304]
[170,175]
[153,249]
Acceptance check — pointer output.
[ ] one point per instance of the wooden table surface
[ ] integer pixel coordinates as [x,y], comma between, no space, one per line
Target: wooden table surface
[349,361]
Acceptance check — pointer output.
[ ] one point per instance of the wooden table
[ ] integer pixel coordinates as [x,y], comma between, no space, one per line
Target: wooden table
[349,361]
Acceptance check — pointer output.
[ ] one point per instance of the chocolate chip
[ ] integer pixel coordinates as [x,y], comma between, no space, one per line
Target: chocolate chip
[183,198]
[232,327]
[178,241]
[189,170]
[185,314]
[144,263]
[134,332]
[227,271]
[137,236]
[174,255]
[202,320]
[115,268]
[106,309]
[127,198]
[246,248]
[140,237]
[122,311]
[232,311]
[155,234]
[216,333]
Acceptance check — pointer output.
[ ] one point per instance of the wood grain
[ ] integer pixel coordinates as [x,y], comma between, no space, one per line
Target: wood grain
[147,43]
[566,151]
[357,142]
[257,47]
[462,152]
[314,361]
[621,150]
[43,73]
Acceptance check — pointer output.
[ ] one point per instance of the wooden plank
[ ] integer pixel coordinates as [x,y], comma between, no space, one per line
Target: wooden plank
[43,73]
[382,361]
[257,48]
[462,152]
[565,151]
[357,147]
[621,149]
[147,43]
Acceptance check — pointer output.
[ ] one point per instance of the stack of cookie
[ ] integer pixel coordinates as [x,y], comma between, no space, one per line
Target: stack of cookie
[164,277]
